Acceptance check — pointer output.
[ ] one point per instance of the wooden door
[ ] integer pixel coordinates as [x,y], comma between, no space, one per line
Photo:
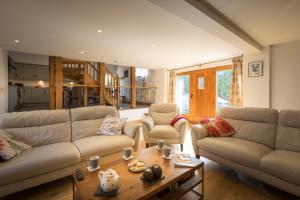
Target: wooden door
[202,94]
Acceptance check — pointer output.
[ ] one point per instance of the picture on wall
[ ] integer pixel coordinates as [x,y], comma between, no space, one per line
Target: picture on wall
[255,69]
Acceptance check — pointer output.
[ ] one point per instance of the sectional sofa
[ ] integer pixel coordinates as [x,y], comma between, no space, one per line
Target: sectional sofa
[266,145]
[61,141]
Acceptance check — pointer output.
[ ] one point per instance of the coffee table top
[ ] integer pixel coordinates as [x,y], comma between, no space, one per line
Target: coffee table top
[132,187]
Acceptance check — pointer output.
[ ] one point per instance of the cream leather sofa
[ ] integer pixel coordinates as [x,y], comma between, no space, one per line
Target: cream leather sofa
[157,125]
[61,141]
[266,145]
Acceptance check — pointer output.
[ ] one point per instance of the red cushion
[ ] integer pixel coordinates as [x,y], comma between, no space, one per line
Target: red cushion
[176,118]
[217,127]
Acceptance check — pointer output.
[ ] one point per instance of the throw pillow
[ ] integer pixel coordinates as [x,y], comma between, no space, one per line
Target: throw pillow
[177,118]
[9,147]
[111,126]
[217,127]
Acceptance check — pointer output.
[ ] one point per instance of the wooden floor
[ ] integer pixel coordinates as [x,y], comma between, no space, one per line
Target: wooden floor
[220,183]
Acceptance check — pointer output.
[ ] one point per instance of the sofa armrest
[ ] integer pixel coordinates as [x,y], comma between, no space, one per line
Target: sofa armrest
[148,121]
[179,124]
[133,130]
[198,132]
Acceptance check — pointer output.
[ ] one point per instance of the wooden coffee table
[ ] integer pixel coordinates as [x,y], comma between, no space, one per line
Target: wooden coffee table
[132,187]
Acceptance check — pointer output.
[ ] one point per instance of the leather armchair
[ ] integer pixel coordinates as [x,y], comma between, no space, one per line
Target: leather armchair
[157,125]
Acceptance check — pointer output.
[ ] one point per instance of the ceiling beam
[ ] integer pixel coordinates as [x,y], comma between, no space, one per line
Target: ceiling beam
[204,16]
[217,16]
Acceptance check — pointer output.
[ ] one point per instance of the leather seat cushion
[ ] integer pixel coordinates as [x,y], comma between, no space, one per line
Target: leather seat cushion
[39,160]
[283,164]
[102,145]
[164,131]
[237,150]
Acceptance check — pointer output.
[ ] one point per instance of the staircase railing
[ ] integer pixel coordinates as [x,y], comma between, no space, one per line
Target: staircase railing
[112,89]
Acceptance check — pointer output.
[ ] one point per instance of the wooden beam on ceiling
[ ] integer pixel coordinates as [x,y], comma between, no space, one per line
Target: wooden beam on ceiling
[210,11]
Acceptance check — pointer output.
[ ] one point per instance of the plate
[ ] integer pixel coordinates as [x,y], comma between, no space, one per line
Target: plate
[137,166]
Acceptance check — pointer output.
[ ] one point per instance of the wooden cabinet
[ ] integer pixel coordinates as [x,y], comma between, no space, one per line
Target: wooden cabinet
[17,73]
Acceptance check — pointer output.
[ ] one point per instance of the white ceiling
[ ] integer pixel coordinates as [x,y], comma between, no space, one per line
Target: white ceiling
[129,29]
[267,21]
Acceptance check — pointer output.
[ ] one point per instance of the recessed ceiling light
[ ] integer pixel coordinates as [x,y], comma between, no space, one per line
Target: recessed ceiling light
[17,41]
[81,52]
[153,45]
[99,31]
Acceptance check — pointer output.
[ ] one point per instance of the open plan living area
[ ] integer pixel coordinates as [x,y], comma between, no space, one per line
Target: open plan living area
[149,99]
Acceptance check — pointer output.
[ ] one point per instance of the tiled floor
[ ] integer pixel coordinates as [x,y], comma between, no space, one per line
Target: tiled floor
[220,183]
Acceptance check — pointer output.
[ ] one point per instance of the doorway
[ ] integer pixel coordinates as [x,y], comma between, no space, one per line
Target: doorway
[202,93]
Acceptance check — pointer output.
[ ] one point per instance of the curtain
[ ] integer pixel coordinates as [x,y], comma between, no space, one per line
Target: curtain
[236,95]
[172,86]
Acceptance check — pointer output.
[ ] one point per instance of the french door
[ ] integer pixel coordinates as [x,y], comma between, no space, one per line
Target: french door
[201,93]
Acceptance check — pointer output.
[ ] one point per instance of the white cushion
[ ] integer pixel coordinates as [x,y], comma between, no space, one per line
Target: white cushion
[164,131]
[102,145]
[39,160]
[111,126]
[10,147]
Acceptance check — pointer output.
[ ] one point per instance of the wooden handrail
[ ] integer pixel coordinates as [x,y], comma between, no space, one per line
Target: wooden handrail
[127,86]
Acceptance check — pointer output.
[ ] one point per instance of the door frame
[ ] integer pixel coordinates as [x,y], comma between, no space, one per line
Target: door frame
[212,70]
[188,116]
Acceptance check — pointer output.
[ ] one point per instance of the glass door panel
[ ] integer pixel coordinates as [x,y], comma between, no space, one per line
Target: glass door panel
[223,81]
[183,93]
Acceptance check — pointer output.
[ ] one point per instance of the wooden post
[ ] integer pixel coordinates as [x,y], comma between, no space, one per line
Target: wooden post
[133,87]
[59,82]
[101,83]
[85,89]
[118,92]
[51,82]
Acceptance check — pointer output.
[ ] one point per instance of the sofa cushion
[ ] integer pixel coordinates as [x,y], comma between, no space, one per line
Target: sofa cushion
[288,132]
[163,118]
[86,121]
[39,160]
[164,131]
[237,150]
[102,145]
[37,128]
[163,113]
[9,147]
[283,164]
[253,124]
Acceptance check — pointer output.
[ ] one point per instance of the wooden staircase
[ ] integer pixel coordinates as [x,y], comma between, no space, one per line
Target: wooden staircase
[87,75]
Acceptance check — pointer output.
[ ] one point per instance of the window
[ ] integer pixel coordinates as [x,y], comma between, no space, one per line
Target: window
[183,93]
[224,79]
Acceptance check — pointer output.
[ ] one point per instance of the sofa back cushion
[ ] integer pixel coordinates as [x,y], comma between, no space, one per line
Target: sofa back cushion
[288,132]
[163,113]
[37,128]
[86,121]
[253,124]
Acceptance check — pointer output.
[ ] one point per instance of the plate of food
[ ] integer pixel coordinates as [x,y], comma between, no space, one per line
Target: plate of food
[137,166]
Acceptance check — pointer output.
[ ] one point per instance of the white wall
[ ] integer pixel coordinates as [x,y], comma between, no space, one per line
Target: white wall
[3,82]
[256,90]
[160,80]
[285,76]
[133,114]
